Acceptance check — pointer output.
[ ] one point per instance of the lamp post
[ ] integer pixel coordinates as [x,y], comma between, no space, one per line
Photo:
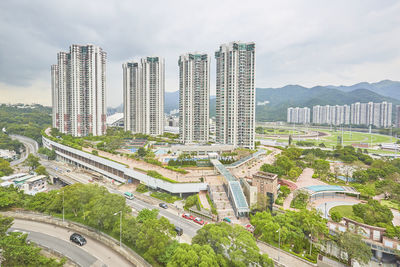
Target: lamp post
[120,226]
[279,243]
[310,243]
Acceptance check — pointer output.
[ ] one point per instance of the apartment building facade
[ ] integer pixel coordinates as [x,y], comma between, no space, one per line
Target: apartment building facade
[194,94]
[144,88]
[235,94]
[78,84]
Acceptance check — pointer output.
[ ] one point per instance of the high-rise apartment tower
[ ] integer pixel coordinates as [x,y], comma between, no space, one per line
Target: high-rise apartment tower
[235,89]
[78,84]
[143,84]
[194,94]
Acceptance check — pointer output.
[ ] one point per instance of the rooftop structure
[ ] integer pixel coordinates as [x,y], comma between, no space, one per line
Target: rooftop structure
[115,120]
[235,191]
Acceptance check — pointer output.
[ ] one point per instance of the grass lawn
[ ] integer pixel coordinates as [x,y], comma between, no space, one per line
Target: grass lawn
[344,210]
[390,204]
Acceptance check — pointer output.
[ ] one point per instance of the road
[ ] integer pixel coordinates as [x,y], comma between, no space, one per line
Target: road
[190,228]
[93,253]
[31,146]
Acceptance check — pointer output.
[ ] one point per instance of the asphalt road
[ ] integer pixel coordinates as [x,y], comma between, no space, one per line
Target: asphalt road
[31,146]
[93,253]
[190,228]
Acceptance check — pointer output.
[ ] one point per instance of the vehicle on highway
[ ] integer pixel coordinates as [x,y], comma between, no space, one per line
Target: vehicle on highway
[198,220]
[249,228]
[78,239]
[226,219]
[129,195]
[178,230]
[188,216]
[163,205]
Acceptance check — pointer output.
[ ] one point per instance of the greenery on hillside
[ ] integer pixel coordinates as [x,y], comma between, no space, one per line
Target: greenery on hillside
[5,168]
[26,121]
[16,251]
[150,236]
[7,143]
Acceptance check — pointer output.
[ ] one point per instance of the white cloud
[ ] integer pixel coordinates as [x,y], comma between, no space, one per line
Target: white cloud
[306,42]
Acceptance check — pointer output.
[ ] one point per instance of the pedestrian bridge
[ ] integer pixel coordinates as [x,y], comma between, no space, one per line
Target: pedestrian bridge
[235,192]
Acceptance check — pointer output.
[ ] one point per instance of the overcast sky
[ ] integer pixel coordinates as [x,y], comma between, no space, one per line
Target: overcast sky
[297,42]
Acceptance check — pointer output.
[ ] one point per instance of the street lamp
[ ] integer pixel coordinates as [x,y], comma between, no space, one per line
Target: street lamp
[310,243]
[279,243]
[120,226]
[62,203]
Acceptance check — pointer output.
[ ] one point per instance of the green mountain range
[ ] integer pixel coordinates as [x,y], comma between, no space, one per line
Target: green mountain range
[280,99]
[272,103]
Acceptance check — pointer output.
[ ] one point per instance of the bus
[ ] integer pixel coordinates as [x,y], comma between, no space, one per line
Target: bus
[129,195]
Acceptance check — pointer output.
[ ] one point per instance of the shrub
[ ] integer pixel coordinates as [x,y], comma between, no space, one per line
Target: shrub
[191,201]
[336,216]
[142,188]
[165,197]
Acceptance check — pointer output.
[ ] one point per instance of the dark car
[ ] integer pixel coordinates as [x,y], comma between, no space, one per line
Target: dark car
[163,205]
[178,230]
[78,239]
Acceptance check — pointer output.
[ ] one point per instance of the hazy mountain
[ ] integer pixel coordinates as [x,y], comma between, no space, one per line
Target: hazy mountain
[272,103]
[171,101]
[119,109]
[297,96]
[385,88]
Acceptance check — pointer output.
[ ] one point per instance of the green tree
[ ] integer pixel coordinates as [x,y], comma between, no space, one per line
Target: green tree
[321,166]
[16,252]
[32,162]
[193,255]
[95,152]
[355,248]
[238,245]
[41,170]
[142,152]
[285,163]
[5,168]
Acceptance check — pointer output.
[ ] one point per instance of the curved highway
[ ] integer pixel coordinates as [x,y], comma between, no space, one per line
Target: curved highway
[31,146]
[93,253]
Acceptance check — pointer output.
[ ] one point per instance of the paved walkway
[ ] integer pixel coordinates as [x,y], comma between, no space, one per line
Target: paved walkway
[285,259]
[305,179]
[333,202]
[254,165]
[203,200]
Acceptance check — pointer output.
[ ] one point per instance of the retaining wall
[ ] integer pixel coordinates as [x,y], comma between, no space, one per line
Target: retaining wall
[107,240]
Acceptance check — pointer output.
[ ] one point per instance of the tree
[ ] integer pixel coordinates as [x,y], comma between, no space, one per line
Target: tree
[373,213]
[293,153]
[95,152]
[41,170]
[32,162]
[16,252]
[355,248]
[5,168]
[285,163]
[193,255]
[233,242]
[321,166]
[336,216]
[142,152]
[262,203]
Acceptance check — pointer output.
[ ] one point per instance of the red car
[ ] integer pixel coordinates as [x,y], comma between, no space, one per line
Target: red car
[187,216]
[250,228]
[198,220]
